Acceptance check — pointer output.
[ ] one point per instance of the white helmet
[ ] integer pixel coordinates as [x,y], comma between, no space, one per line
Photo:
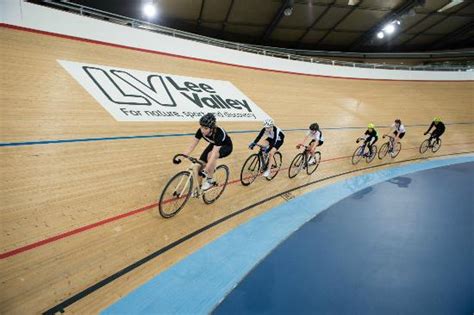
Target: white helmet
[268,123]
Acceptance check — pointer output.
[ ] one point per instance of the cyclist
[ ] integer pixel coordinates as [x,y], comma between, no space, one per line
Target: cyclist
[317,140]
[370,137]
[220,146]
[274,141]
[439,129]
[398,131]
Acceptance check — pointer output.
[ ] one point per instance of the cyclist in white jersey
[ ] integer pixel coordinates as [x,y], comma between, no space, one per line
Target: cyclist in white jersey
[274,140]
[398,130]
[317,139]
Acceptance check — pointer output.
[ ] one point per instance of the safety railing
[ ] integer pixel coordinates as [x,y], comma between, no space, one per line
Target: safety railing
[298,55]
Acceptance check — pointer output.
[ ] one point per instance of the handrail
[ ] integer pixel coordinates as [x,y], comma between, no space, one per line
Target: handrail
[298,55]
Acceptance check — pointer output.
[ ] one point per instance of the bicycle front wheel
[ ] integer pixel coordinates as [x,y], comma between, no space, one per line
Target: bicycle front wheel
[383,150]
[295,165]
[424,146]
[221,176]
[436,145]
[175,194]
[275,165]
[311,168]
[250,170]
[357,155]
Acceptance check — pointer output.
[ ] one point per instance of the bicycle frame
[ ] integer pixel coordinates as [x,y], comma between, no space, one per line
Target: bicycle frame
[193,170]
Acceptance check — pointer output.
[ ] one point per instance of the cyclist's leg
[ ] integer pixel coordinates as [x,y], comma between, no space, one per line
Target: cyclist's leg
[368,143]
[394,140]
[311,149]
[214,155]
[204,157]
[436,134]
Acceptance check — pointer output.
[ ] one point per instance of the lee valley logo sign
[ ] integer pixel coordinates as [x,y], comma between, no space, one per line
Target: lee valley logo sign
[131,95]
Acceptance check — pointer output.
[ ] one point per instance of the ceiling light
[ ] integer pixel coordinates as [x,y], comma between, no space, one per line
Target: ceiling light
[380,35]
[288,11]
[149,10]
[450,5]
[389,29]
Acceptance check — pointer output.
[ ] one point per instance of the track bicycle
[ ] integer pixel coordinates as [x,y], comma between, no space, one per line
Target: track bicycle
[185,184]
[301,161]
[388,147]
[360,153]
[431,143]
[256,164]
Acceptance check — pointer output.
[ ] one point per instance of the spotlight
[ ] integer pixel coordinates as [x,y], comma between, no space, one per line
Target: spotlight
[149,10]
[288,11]
[380,35]
[389,29]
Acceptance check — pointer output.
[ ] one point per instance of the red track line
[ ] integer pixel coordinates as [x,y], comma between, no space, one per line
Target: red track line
[31,246]
[97,42]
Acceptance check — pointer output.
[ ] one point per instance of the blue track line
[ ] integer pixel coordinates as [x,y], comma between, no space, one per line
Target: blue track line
[170,135]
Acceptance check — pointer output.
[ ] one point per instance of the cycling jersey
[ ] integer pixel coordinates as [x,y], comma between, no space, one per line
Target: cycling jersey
[439,128]
[218,138]
[274,135]
[371,134]
[400,129]
[316,135]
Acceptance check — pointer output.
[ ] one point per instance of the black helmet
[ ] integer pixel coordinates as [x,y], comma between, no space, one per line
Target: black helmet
[208,120]
[314,126]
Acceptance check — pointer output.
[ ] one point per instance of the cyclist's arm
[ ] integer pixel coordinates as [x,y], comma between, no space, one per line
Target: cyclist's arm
[260,135]
[193,145]
[431,126]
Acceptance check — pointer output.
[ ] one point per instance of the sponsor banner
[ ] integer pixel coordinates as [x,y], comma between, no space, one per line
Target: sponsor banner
[132,95]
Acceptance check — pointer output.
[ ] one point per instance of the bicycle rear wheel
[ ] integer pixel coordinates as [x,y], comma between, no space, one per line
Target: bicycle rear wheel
[424,146]
[295,165]
[175,194]
[311,168]
[383,150]
[370,158]
[275,165]
[436,145]
[250,170]
[396,151]
[221,176]
[357,155]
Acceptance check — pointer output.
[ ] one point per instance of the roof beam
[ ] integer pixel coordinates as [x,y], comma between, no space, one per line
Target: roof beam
[339,22]
[224,23]
[276,19]
[326,9]
[430,26]
[199,21]
[393,15]
[448,38]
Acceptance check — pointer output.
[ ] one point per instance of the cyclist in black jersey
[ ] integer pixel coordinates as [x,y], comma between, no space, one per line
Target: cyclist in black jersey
[220,146]
[275,139]
[439,128]
[371,137]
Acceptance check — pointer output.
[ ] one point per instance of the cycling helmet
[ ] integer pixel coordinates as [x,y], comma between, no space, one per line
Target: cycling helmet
[436,119]
[371,126]
[268,123]
[208,120]
[314,127]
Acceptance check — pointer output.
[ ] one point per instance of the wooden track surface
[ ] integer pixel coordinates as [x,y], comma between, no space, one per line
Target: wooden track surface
[50,189]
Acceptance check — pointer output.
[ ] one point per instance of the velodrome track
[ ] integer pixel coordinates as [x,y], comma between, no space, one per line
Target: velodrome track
[79,189]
